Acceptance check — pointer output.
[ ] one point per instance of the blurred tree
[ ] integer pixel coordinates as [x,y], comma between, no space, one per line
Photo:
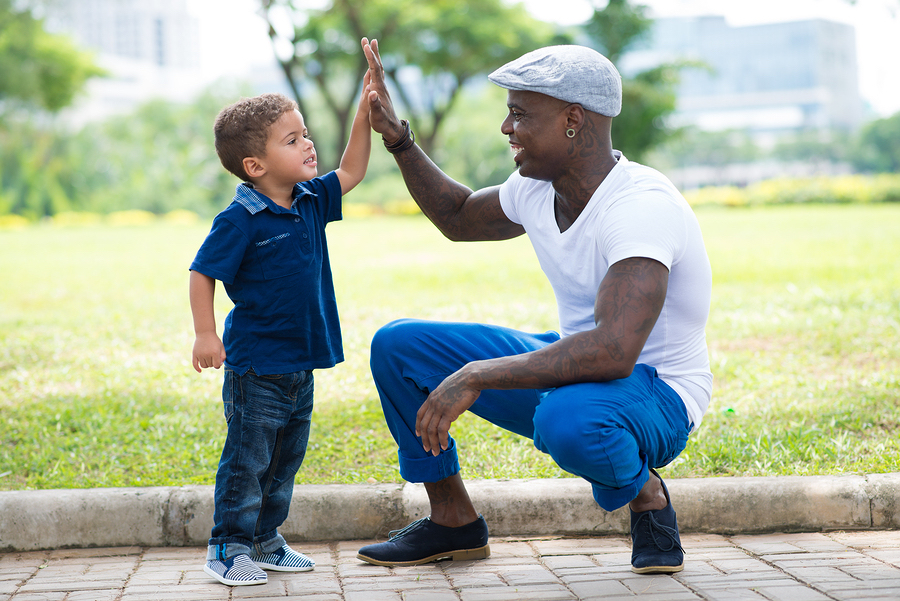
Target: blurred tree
[32,170]
[159,158]
[478,128]
[618,26]
[649,96]
[37,67]
[431,49]
[878,146]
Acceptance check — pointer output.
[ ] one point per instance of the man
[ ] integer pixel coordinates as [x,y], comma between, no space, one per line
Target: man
[619,392]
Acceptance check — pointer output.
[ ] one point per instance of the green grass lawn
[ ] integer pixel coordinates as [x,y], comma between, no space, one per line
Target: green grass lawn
[96,387]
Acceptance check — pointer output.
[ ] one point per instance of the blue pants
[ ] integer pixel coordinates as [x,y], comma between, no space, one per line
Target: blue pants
[268,430]
[609,433]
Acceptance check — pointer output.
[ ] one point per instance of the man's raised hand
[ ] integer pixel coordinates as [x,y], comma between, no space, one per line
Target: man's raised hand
[382,116]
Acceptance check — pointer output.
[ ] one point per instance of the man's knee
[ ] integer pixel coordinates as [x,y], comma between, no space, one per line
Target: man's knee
[562,437]
[600,453]
[387,340]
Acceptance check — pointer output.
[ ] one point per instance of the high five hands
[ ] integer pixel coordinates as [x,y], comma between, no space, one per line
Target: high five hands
[382,116]
[455,394]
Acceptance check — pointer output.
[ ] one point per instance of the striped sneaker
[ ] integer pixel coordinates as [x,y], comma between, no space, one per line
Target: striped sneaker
[284,559]
[235,571]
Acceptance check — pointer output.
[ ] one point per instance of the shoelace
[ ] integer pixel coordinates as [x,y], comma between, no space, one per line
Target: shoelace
[395,534]
[664,531]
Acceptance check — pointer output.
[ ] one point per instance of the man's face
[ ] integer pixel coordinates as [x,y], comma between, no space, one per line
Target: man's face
[536,126]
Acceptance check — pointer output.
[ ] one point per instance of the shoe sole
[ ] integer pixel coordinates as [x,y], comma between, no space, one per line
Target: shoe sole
[658,569]
[274,568]
[233,582]
[457,555]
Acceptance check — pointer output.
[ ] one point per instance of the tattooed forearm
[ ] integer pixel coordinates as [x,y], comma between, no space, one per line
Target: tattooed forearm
[628,303]
[459,213]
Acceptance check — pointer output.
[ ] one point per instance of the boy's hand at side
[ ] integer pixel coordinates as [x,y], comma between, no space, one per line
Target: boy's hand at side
[208,348]
[208,351]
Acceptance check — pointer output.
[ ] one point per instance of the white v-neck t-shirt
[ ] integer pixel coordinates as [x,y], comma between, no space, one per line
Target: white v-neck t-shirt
[636,212]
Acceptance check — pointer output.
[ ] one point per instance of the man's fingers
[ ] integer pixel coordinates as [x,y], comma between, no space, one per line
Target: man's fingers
[420,414]
[426,429]
[370,49]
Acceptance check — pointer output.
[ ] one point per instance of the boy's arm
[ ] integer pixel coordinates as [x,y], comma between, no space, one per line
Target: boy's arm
[356,156]
[208,348]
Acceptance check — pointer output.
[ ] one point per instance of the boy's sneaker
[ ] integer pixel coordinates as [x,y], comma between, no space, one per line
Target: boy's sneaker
[656,545]
[284,559]
[235,571]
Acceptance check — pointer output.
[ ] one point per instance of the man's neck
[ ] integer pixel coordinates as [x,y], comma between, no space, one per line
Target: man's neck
[575,190]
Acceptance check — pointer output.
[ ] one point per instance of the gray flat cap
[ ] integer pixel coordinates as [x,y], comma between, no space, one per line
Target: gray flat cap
[571,73]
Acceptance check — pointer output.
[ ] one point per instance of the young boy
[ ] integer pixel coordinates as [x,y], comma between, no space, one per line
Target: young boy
[268,248]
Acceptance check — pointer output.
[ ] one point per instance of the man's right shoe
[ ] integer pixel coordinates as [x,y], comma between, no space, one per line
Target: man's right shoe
[655,542]
[424,541]
[236,571]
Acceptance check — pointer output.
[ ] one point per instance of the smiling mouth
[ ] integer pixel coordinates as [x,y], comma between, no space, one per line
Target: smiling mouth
[516,150]
[310,161]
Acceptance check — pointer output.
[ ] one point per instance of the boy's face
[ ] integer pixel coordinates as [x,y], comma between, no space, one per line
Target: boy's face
[290,153]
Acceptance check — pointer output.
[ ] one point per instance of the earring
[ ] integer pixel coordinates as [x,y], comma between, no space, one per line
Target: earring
[570,132]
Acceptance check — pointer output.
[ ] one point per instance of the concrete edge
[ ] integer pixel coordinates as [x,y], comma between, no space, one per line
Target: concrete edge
[182,516]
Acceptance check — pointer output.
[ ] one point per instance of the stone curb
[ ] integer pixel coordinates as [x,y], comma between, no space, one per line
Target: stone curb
[182,516]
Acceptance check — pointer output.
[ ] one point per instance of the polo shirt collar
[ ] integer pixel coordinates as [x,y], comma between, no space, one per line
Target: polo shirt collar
[247,196]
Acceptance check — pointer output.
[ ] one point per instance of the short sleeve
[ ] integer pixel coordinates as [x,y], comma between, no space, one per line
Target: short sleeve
[221,254]
[509,192]
[651,226]
[328,190]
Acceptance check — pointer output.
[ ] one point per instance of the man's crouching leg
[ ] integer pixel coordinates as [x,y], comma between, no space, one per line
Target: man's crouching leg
[624,429]
[655,542]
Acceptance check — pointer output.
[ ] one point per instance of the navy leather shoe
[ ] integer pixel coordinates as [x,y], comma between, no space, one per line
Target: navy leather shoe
[655,543]
[424,541]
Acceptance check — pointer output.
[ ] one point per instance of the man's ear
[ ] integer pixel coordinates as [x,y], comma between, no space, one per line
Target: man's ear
[575,116]
[253,167]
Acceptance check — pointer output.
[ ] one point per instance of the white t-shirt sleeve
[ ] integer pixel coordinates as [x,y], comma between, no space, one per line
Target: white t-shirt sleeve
[649,225]
[513,191]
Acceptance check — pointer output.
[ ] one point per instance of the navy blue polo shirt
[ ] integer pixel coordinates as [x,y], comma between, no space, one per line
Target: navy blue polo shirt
[274,265]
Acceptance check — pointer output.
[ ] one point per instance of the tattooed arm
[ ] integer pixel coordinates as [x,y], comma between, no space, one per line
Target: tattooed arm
[457,211]
[628,304]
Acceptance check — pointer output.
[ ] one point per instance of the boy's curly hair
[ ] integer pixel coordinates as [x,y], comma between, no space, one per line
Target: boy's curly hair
[242,129]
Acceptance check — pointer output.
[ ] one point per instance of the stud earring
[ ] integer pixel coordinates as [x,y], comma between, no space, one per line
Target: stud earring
[570,133]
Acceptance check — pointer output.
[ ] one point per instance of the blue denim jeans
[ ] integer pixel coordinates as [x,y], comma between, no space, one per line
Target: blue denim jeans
[609,433]
[268,430]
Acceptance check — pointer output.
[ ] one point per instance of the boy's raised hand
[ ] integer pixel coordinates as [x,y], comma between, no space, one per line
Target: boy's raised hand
[382,116]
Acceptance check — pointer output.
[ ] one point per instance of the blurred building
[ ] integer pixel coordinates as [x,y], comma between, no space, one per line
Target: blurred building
[769,78]
[150,48]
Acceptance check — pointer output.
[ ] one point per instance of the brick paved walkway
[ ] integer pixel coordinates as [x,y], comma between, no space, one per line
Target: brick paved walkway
[775,567]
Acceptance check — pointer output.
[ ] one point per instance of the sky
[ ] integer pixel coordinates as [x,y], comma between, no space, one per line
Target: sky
[234,38]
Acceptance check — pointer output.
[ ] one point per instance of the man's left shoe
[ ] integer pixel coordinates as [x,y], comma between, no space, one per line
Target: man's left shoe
[284,559]
[424,541]
[656,545]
